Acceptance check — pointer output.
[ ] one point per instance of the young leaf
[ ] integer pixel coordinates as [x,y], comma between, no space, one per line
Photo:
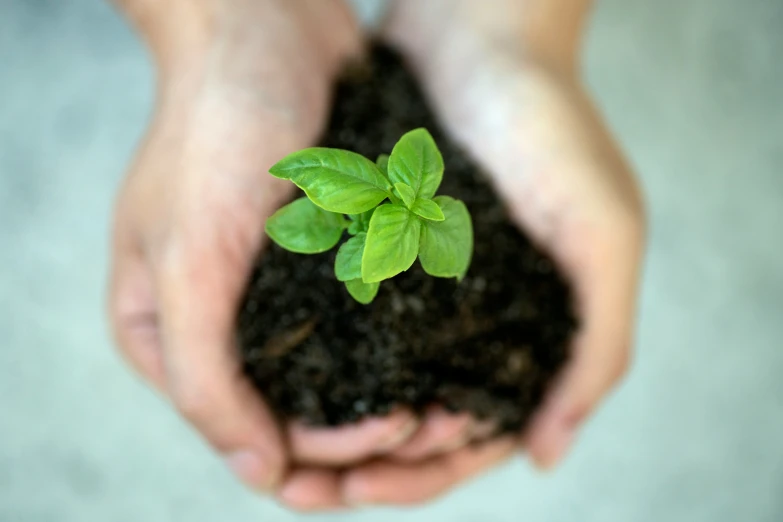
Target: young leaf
[417,162]
[383,164]
[354,228]
[335,180]
[406,194]
[427,209]
[304,228]
[361,291]
[360,222]
[392,243]
[348,263]
[447,246]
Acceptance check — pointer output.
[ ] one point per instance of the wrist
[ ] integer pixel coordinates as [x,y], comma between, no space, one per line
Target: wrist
[181,33]
[545,33]
[170,28]
[266,59]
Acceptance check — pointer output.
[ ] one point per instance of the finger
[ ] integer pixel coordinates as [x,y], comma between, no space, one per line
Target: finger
[133,314]
[441,431]
[606,285]
[388,482]
[204,377]
[347,444]
[484,429]
[311,490]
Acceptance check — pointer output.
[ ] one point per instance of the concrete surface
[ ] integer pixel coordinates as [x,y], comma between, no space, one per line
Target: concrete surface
[695,433]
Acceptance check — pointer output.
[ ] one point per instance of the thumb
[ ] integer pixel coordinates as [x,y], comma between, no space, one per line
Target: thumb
[198,292]
[606,285]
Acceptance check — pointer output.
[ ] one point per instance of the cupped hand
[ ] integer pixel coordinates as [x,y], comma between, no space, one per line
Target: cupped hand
[524,115]
[242,83]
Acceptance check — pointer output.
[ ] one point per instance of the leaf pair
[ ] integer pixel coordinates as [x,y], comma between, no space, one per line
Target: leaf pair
[387,236]
[398,236]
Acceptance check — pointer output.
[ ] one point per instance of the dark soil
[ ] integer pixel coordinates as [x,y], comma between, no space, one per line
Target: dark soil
[490,344]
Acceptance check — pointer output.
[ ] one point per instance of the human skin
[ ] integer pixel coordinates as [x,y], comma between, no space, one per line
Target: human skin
[242,83]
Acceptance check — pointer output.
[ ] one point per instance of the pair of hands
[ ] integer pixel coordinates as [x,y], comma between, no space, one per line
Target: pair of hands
[245,82]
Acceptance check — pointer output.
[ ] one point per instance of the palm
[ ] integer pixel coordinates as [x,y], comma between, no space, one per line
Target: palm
[536,132]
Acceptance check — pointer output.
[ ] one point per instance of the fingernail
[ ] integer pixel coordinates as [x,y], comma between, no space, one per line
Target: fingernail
[251,469]
[400,436]
[558,438]
[484,429]
[456,443]
[556,449]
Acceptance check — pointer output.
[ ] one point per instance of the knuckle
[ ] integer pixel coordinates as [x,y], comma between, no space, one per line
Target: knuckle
[180,269]
[118,329]
[185,263]
[636,224]
[621,365]
[119,317]
[193,402]
[396,433]
[173,259]
[127,336]
[630,226]
[637,228]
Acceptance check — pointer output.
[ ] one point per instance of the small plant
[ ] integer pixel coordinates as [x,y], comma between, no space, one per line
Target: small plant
[392,213]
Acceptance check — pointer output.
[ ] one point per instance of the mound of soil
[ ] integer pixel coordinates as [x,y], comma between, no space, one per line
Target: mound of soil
[490,344]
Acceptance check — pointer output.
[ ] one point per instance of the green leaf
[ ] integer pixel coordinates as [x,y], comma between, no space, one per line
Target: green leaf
[447,246]
[406,193]
[417,162]
[348,263]
[392,243]
[361,291]
[304,228]
[427,209]
[362,220]
[383,164]
[335,180]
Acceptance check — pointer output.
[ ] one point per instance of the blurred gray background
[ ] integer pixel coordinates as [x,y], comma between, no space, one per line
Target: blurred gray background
[693,90]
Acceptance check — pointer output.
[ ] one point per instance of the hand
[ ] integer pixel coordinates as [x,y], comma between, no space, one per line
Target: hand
[233,100]
[242,84]
[520,110]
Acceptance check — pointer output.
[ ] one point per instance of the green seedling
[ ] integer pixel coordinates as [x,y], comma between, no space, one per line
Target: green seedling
[389,209]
